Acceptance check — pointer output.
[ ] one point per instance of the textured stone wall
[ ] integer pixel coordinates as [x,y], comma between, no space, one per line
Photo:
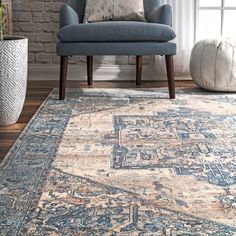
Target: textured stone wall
[38,20]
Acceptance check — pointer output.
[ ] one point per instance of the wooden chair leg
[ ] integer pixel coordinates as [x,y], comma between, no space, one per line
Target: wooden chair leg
[90,70]
[170,75]
[139,68]
[63,76]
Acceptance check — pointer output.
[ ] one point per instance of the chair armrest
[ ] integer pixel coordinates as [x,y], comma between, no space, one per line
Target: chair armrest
[161,15]
[68,16]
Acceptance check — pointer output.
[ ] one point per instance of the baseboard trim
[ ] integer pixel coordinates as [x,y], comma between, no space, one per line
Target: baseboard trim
[101,73]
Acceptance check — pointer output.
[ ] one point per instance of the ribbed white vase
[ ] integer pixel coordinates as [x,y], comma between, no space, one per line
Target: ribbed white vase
[13,78]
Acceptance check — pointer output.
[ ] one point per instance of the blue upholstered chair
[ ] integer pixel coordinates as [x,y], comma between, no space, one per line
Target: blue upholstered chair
[116,38]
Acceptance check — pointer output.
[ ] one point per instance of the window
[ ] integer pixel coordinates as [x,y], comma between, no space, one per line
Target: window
[215,18]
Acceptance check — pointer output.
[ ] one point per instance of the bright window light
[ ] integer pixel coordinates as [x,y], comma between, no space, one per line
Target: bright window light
[210,3]
[215,18]
[230,3]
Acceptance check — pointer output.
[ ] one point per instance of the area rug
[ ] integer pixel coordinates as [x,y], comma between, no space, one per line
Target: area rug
[124,162]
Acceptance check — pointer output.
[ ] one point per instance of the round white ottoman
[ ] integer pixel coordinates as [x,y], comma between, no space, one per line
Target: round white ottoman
[213,64]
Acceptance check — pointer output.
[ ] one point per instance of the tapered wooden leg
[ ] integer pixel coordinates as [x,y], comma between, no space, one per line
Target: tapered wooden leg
[170,75]
[139,68]
[63,75]
[90,70]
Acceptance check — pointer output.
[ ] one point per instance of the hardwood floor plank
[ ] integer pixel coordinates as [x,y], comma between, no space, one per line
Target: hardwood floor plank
[38,91]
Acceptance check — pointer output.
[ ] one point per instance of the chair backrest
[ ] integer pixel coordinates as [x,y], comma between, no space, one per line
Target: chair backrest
[79,6]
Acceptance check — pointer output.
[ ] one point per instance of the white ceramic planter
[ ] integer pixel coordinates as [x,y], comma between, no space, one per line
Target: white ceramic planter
[13,78]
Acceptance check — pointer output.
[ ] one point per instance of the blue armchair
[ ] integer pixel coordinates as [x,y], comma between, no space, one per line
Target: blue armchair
[116,38]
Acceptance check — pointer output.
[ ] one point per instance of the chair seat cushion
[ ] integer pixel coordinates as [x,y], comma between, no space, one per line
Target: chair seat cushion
[116,31]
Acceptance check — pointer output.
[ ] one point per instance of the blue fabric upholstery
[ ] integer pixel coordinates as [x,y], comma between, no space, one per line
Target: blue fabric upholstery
[116,48]
[149,5]
[116,38]
[68,16]
[79,7]
[154,12]
[161,15]
[116,31]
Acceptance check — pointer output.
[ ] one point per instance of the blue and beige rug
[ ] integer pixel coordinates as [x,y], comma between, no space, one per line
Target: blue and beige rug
[124,162]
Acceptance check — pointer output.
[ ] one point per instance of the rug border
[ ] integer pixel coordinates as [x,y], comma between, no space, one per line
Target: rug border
[6,157]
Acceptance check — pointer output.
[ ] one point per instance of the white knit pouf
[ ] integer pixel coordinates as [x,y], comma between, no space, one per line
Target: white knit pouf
[213,64]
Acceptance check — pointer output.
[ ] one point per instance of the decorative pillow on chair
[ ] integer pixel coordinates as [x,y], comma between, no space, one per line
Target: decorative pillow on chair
[118,10]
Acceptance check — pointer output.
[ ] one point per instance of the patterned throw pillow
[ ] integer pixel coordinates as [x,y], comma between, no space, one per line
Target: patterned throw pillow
[118,10]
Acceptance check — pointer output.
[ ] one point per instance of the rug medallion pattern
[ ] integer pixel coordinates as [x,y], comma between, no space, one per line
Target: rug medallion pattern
[124,162]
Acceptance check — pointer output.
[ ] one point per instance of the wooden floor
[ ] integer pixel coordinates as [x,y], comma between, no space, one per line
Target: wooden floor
[38,91]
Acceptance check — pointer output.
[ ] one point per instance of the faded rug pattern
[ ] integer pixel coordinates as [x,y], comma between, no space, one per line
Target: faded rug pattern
[124,162]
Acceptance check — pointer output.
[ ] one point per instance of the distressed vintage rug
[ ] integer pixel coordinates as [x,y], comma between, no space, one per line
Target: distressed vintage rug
[124,162]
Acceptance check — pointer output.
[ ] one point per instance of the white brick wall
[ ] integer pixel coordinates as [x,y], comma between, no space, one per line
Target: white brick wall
[38,20]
